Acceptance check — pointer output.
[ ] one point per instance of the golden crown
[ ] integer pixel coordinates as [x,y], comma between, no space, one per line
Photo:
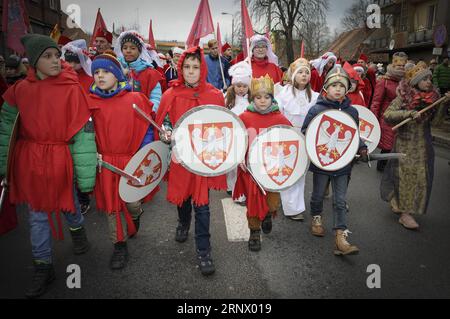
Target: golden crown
[299,63]
[419,68]
[262,85]
[399,59]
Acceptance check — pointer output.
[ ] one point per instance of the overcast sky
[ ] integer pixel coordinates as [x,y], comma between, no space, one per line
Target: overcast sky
[172,19]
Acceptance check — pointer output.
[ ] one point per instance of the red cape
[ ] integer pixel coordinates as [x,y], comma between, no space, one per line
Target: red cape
[317,81]
[148,79]
[256,124]
[176,101]
[119,131]
[262,67]
[52,111]
[85,80]
[357,98]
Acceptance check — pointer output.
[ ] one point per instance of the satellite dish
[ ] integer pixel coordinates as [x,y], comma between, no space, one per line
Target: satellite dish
[392,45]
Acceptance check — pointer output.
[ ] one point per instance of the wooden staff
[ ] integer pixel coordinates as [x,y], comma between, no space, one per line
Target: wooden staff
[263,191]
[438,102]
[148,118]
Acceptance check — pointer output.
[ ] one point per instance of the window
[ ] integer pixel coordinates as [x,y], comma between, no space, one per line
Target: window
[431,16]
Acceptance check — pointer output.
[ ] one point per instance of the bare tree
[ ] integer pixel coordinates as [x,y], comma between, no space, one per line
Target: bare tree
[286,16]
[356,16]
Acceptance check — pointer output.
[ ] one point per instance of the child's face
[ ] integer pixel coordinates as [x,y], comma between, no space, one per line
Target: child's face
[130,52]
[336,91]
[426,85]
[302,78]
[49,63]
[75,66]
[105,80]
[191,70]
[241,89]
[262,101]
[353,88]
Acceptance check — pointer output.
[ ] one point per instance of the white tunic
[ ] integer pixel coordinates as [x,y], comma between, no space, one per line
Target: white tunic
[241,104]
[295,108]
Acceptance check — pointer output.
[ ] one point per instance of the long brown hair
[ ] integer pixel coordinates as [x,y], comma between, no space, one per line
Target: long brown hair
[307,88]
[230,100]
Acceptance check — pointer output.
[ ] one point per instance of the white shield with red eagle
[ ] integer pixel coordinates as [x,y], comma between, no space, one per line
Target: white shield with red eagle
[278,158]
[209,140]
[150,165]
[332,140]
[369,127]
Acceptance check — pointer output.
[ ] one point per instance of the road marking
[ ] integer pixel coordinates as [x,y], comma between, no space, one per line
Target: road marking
[235,221]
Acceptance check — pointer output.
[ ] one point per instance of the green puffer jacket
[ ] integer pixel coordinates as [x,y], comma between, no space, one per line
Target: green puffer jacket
[83,149]
[441,76]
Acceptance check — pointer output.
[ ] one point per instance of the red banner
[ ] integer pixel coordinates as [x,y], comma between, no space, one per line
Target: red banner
[99,25]
[15,24]
[247,27]
[202,26]
[151,38]
[219,38]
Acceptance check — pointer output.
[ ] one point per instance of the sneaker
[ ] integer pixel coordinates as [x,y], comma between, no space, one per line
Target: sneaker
[44,275]
[267,224]
[84,208]
[206,264]
[299,217]
[316,226]
[181,234]
[119,257]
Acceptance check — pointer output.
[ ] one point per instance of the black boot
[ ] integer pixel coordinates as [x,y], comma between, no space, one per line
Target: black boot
[205,264]
[119,257]
[182,233]
[267,224]
[80,242]
[43,275]
[254,243]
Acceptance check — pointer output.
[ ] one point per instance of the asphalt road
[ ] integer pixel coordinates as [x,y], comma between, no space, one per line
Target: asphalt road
[292,264]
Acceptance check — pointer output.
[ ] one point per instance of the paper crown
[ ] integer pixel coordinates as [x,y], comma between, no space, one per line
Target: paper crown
[417,73]
[299,64]
[399,58]
[262,85]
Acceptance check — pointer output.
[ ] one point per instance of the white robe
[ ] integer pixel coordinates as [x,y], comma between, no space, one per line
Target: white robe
[295,108]
[241,104]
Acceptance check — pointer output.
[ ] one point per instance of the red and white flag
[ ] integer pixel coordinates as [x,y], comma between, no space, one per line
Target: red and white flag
[202,26]
[15,24]
[247,28]
[151,38]
[99,25]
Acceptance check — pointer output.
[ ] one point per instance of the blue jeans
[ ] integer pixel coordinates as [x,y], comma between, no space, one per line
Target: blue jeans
[339,185]
[202,218]
[40,231]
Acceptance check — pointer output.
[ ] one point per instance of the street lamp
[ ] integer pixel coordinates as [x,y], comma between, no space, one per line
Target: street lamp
[232,26]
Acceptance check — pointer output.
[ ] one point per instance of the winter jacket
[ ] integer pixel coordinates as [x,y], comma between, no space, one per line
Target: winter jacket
[441,76]
[215,74]
[385,93]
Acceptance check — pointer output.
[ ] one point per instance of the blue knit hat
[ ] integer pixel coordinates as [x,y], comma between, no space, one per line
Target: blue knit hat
[109,63]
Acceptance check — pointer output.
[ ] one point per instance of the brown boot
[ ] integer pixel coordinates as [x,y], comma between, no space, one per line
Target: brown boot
[343,247]
[316,226]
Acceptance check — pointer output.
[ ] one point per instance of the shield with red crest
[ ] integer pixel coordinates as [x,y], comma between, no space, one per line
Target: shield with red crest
[369,127]
[209,140]
[150,165]
[332,140]
[278,158]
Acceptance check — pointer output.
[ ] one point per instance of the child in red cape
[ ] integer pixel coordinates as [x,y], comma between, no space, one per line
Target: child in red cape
[55,146]
[120,132]
[262,113]
[355,93]
[186,189]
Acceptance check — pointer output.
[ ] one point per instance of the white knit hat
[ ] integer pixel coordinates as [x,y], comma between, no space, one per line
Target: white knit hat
[241,73]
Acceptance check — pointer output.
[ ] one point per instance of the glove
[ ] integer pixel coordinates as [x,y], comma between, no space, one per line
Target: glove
[364,156]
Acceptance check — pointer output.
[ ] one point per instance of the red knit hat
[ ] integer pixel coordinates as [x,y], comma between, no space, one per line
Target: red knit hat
[63,40]
[103,33]
[225,47]
[364,57]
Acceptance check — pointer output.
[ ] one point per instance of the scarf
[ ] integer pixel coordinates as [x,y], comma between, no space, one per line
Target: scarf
[273,108]
[108,94]
[414,99]
[393,74]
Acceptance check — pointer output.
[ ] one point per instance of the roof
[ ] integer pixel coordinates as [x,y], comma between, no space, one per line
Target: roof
[349,45]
